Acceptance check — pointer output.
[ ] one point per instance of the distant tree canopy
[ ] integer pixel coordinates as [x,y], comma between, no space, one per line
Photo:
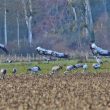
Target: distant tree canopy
[61,22]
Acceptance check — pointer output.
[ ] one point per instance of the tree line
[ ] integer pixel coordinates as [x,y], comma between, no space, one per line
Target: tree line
[72,24]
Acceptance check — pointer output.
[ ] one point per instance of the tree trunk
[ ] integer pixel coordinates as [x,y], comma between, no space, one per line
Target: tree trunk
[78,28]
[28,19]
[105,22]
[18,39]
[5,23]
[89,20]
[30,31]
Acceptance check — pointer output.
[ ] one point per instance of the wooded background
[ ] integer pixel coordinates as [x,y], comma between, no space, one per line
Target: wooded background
[62,25]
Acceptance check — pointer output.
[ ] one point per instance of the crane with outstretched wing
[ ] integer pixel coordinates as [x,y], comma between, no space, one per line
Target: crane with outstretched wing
[43,51]
[4,48]
[98,51]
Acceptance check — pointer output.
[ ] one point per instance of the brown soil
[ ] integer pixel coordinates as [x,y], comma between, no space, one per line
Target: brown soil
[70,92]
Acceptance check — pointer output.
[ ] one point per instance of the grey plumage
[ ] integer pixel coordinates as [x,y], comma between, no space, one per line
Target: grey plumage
[14,71]
[70,67]
[34,69]
[96,66]
[55,69]
[3,73]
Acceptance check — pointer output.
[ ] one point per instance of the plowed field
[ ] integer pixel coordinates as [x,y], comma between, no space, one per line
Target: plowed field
[45,92]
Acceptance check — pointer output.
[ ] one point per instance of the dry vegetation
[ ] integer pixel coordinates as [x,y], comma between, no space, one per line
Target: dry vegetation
[45,92]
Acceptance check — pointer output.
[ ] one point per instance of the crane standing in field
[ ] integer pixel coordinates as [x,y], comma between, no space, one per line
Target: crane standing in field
[3,73]
[56,69]
[14,71]
[76,66]
[34,69]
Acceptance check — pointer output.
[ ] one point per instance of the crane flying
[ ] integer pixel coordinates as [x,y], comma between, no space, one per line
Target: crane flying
[43,51]
[4,48]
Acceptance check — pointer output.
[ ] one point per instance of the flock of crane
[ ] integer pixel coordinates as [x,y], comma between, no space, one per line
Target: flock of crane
[97,53]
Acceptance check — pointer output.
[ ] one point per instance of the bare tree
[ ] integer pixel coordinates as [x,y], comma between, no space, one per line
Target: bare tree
[78,27]
[105,22]
[105,8]
[28,19]
[89,21]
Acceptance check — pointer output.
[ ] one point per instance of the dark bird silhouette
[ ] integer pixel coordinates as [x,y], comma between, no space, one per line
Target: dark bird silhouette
[14,71]
[4,48]
[3,73]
